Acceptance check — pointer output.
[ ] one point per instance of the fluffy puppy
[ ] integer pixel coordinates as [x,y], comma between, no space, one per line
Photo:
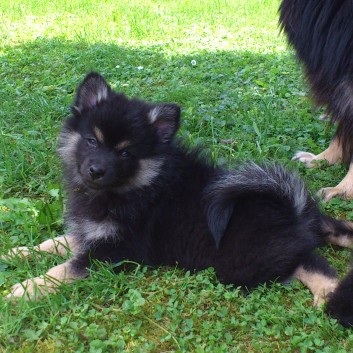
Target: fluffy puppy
[135,193]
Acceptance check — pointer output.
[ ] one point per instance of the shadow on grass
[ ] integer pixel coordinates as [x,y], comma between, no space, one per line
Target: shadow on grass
[52,69]
[224,94]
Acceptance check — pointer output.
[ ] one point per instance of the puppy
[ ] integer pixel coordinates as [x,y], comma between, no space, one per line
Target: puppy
[136,193]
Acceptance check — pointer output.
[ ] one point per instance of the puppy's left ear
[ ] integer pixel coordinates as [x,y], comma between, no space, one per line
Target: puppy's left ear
[165,118]
[92,91]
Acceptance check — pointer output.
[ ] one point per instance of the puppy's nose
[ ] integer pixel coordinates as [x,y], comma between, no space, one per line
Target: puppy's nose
[96,172]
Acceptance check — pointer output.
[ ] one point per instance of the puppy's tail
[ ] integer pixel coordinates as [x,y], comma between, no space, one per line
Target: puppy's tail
[340,303]
[249,179]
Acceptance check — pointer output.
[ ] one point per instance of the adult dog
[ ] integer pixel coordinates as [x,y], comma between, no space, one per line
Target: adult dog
[321,32]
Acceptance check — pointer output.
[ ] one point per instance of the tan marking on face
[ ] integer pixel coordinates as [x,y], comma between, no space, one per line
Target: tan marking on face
[149,169]
[99,134]
[122,145]
[319,284]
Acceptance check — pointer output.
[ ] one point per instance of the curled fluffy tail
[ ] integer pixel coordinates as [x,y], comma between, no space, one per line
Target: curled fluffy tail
[250,179]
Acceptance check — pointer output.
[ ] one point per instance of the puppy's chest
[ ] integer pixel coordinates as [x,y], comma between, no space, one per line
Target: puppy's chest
[109,228]
[103,218]
[90,230]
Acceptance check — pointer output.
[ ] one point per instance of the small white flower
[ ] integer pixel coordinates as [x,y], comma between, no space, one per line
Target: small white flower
[117,66]
[193,63]
[139,68]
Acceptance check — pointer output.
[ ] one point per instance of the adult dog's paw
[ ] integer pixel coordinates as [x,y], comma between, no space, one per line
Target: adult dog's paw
[330,192]
[309,159]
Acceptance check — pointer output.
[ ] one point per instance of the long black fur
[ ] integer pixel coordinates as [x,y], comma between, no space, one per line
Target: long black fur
[340,304]
[321,31]
[136,193]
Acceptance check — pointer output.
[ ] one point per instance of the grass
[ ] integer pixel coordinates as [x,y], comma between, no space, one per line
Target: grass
[229,68]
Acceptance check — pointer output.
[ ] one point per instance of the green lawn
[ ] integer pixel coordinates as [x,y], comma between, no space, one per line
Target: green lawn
[229,68]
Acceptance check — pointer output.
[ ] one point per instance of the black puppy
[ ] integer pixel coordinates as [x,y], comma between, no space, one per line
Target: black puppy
[137,194]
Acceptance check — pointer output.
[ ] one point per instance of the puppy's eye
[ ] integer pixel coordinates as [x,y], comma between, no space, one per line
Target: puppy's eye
[124,154]
[91,142]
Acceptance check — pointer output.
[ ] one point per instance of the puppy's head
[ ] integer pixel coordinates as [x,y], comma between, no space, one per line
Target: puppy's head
[114,143]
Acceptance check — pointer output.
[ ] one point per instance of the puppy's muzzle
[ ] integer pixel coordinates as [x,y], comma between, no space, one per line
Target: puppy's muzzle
[96,172]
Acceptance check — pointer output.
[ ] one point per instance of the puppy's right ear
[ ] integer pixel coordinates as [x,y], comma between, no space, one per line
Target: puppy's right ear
[93,90]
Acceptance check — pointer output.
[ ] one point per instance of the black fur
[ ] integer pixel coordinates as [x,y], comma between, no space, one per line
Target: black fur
[340,304]
[136,193]
[321,31]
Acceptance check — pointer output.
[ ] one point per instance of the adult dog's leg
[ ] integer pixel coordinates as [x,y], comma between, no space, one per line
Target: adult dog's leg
[344,189]
[333,154]
[317,274]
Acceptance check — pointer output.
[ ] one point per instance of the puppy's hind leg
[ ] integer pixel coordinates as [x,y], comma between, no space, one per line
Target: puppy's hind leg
[317,274]
[60,245]
[338,232]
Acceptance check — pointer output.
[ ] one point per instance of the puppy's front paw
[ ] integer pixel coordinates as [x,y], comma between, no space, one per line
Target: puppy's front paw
[306,157]
[20,251]
[33,288]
